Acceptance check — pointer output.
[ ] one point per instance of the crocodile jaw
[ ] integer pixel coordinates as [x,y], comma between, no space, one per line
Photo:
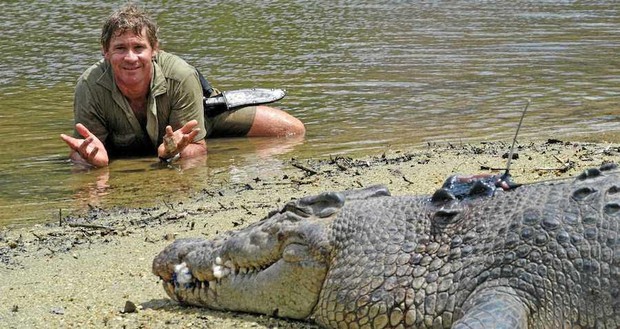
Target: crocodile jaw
[266,291]
[274,268]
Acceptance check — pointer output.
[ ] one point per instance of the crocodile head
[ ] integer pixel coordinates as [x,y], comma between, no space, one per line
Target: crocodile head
[275,266]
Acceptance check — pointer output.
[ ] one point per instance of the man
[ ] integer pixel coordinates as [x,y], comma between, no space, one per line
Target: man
[140,100]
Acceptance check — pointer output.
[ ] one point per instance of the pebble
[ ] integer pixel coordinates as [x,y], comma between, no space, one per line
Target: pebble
[130,307]
[58,311]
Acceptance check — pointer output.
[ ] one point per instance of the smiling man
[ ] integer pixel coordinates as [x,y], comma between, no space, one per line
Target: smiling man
[139,100]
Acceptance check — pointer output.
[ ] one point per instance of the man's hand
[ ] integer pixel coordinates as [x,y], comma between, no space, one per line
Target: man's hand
[180,142]
[89,150]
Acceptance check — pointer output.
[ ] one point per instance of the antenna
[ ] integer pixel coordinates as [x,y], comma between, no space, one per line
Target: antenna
[514,140]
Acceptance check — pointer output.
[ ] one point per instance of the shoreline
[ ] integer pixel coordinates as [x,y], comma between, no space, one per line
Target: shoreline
[92,269]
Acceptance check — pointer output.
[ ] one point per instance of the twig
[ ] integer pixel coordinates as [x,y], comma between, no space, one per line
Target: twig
[551,169]
[93,226]
[559,160]
[177,216]
[168,204]
[158,216]
[304,168]
[247,210]
[566,165]
[302,182]
[337,160]
[514,140]
[485,167]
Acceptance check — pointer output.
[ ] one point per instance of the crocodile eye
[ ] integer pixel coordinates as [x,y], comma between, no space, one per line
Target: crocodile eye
[441,196]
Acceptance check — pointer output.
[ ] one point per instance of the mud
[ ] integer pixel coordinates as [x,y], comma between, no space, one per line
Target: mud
[94,269]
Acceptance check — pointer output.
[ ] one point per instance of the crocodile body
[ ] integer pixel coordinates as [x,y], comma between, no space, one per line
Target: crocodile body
[544,255]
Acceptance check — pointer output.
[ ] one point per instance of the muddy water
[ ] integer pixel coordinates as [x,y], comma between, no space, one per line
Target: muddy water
[364,77]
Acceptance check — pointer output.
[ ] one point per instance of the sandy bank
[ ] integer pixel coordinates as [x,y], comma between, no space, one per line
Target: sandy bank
[83,273]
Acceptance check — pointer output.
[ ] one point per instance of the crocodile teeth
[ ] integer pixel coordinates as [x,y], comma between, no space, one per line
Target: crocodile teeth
[183,274]
[229,264]
[220,271]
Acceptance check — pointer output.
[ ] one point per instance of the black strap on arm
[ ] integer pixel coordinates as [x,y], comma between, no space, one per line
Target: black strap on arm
[207,90]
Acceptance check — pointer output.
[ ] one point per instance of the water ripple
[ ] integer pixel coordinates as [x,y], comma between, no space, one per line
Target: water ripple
[362,75]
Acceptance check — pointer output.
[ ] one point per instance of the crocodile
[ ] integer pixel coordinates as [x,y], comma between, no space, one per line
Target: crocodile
[543,255]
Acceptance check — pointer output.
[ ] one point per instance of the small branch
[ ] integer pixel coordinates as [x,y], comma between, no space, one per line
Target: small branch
[92,226]
[485,167]
[559,160]
[337,161]
[177,216]
[158,216]
[222,205]
[247,210]
[304,168]
[301,182]
[566,165]
[561,169]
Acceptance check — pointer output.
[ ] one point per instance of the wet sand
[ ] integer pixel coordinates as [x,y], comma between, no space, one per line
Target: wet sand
[89,269]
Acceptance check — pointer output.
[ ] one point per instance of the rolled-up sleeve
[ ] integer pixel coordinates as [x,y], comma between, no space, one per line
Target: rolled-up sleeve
[187,103]
[87,111]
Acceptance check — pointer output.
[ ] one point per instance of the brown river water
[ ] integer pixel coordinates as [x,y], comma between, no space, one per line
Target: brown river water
[365,76]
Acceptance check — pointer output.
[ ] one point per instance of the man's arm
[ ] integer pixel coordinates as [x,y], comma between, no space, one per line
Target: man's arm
[89,150]
[181,142]
[187,112]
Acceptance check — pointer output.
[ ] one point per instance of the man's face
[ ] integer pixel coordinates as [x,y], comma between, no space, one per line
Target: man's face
[130,56]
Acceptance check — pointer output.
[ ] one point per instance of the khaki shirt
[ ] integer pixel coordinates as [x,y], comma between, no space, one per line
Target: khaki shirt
[174,99]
